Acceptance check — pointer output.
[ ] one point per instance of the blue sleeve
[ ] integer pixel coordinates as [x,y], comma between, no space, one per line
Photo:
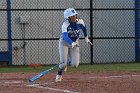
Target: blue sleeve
[66,38]
[84,31]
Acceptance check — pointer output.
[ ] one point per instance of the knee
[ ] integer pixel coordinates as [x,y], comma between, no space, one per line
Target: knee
[75,65]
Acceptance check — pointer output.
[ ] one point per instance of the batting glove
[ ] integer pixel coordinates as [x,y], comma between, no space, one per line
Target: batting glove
[74,45]
[88,41]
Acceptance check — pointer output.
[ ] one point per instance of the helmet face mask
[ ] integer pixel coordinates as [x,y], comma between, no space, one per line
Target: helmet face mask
[69,12]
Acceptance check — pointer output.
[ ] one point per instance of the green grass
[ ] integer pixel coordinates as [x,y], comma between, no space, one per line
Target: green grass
[110,67]
[22,69]
[82,68]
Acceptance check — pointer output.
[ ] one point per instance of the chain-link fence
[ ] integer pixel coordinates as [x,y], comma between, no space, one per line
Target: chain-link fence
[35,29]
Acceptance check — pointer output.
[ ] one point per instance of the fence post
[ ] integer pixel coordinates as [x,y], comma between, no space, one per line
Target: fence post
[9,32]
[91,29]
[136,31]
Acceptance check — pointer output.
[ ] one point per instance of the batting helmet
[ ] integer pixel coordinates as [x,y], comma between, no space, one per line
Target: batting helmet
[69,12]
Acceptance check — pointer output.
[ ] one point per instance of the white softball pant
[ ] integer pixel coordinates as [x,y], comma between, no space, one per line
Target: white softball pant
[68,54]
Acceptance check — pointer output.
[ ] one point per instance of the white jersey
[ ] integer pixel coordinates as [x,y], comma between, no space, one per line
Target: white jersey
[71,31]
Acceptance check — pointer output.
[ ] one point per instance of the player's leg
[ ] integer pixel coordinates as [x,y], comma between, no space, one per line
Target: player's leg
[68,61]
[74,56]
[63,51]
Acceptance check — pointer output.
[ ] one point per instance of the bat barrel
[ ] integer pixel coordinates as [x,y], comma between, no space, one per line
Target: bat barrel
[41,74]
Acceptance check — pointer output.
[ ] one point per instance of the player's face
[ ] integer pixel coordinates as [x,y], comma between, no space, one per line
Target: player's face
[73,19]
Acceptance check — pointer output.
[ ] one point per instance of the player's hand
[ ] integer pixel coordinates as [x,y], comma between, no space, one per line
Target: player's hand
[74,45]
[88,41]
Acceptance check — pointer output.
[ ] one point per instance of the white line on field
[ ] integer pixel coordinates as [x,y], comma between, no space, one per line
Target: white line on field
[10,82]
[13,82]
[39,84]
[117,76]
[54,89]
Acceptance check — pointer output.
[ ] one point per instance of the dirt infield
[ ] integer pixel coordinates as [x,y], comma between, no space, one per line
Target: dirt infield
[101,82]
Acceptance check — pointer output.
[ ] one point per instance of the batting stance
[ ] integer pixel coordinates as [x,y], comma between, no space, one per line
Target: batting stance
[68,42]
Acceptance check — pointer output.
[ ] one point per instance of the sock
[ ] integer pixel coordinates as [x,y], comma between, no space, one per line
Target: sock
[60,71]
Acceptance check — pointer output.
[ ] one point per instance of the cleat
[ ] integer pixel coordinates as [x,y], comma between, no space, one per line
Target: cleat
[58,78]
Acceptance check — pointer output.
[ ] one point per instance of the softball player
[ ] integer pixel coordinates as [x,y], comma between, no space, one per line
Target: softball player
[68,42]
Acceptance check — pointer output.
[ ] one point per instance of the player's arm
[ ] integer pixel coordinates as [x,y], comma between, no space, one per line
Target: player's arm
[83,26]
[84,29]
[65,35]
[66,38]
